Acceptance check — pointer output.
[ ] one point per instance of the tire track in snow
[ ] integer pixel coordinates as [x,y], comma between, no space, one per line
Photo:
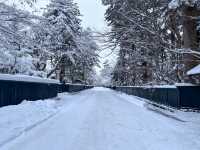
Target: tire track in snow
[27,129]
[35,125]
[103,120]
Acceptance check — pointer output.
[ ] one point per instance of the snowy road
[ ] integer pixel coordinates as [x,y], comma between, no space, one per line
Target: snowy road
[101,119]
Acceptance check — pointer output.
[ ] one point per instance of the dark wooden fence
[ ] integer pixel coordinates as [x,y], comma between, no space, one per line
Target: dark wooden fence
[189,96]
[177,97]
[73,87]
[14,92]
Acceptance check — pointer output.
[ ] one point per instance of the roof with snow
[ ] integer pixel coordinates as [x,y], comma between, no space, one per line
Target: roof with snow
[194,71]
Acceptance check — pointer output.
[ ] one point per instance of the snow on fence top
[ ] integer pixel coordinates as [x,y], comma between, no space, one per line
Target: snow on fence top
[194,71]
[163,86]
[184,84]
[26,78]
[153,86]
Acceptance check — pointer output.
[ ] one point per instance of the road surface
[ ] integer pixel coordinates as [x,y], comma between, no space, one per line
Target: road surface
[102,119]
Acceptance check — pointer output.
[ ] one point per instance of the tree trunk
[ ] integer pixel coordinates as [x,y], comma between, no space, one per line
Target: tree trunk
[190,38]
[62,70]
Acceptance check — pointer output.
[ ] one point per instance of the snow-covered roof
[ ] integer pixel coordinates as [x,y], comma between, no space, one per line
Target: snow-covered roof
[26,78]
[195,70]
[177,3]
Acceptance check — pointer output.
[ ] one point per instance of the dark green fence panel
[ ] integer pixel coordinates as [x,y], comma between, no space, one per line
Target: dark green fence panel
[14,92]
[173,97]
[73,88]
[189,96]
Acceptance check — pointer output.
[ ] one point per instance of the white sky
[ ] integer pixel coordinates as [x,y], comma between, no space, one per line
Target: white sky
[93,14]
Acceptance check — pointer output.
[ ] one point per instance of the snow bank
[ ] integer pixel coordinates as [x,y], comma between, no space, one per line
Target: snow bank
[26,78]
[15,120]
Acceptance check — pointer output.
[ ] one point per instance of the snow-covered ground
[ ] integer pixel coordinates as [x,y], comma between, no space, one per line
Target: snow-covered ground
[97,119]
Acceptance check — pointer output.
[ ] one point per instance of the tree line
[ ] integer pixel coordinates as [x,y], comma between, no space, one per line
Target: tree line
[158,40]
[52,45]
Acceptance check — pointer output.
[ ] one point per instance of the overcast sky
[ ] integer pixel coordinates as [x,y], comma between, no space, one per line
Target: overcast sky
[93,13]
[93,16]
